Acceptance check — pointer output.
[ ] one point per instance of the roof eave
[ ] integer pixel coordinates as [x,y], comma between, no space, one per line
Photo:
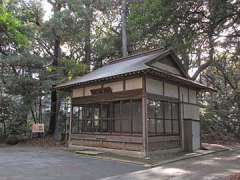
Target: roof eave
[111,78]
[180,80]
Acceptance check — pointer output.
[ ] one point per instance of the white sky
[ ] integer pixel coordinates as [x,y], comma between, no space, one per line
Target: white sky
[47,8]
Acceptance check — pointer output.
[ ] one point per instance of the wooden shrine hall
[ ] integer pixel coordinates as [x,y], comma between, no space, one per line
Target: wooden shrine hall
[138,105]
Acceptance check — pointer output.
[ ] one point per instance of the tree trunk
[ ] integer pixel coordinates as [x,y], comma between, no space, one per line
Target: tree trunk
[40,109]
[87,47]
[57,5]
[53,116]
[124,29]
[87,39]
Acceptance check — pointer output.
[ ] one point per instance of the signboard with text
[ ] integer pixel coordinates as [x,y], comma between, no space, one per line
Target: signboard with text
[38,128]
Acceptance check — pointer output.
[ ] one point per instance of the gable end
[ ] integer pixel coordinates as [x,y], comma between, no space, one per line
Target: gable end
[168,62]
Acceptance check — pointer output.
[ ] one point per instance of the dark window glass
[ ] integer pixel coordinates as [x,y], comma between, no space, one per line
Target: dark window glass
[105,118]
[175,109]
[160,129]
[151,126]
[167,110]
[96,118]
[120,116]
[151,109]
[163,118]
[117,117]
[175,127]
[159,109]
[75,119]
[88,119]
[126,116]
[137,116]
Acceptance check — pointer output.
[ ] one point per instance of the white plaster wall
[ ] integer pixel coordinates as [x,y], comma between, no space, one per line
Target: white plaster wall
[154,86]
[192,96]
[170,90]
[191,112]
[77,92]
[89,88]
[195,135]
[115,86]
[135,83]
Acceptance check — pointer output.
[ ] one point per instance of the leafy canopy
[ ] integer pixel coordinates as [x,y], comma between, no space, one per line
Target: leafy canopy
[10,27]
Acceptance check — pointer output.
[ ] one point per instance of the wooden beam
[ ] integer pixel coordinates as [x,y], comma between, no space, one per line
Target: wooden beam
[163,83]
[161,98]
[131,115]
[83,91]
[131,94]
[124,84]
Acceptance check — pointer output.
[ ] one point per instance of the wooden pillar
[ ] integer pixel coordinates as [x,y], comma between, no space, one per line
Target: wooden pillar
[70,123]
[181,116]
[144,120]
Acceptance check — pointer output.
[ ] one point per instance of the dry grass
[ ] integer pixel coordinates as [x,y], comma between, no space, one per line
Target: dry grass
[234,177]
[47,141]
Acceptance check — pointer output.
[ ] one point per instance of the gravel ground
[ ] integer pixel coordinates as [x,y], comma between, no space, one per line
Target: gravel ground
[28,163]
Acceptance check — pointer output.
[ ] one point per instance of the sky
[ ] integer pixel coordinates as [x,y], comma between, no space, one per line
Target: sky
[47,8]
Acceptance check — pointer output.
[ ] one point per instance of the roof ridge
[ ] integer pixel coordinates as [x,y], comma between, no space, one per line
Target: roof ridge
[134,55]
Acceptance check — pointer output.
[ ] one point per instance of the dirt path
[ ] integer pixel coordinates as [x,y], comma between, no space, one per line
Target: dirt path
[210,167]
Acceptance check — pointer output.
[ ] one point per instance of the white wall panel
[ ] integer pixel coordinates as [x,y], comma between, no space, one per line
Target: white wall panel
[89,88]
[115,86]
[154,86]
[77,92]
[135,83]
[170,90]
[191,112]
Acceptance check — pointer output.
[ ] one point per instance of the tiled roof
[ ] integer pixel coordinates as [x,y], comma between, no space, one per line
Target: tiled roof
[121,66]
[132,65]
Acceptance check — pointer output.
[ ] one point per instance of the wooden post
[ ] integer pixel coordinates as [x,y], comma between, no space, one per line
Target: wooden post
[181,116]
[144,120]
[70,123]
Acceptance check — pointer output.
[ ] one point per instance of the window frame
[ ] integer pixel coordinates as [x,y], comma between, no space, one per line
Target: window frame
[164,119]
[88,115]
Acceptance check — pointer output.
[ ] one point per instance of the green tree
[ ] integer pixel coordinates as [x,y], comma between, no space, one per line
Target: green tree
[190,27]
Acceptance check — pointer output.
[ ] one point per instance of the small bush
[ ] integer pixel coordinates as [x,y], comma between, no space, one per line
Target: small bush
[12,140]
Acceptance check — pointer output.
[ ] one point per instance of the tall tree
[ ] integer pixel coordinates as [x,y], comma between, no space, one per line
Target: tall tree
[187,26]
[57,5]
[124,28]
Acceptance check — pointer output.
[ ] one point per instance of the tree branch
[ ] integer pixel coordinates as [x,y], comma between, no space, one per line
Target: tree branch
[200,69]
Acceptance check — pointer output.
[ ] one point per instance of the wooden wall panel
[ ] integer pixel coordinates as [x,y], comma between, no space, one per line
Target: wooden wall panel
[109,141]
